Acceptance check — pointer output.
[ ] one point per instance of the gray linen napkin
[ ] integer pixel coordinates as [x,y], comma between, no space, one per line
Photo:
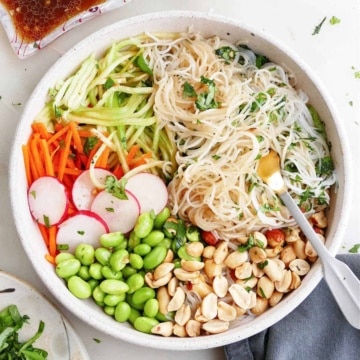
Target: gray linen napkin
[315,330]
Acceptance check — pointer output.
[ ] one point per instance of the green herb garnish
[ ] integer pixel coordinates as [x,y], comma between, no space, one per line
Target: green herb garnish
[206,100]
[11,348]
[318,27]
[355,249]
[116,187]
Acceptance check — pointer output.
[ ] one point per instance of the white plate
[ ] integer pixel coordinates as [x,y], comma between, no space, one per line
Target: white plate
[59,338]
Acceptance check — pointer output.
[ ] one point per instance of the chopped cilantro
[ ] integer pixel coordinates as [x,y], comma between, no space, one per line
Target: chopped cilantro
[334,20]
[263,264]
[90,143]
[189,90]
[261,60]
[318,27]
[206,100]
[249,244]
[325,166]
[116,187]
[355,249]
[226,52]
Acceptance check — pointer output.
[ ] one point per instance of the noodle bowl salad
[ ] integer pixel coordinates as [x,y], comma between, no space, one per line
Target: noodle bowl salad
[197,114]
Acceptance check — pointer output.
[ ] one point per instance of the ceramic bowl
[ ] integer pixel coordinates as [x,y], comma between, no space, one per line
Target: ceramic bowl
[206,24]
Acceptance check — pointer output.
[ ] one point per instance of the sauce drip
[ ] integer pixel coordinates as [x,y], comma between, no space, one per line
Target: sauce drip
[34,19]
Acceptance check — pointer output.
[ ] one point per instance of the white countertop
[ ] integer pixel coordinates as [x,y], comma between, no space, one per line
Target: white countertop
[334,54]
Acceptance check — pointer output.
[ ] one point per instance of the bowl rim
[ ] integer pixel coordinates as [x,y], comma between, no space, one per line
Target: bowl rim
[133,336]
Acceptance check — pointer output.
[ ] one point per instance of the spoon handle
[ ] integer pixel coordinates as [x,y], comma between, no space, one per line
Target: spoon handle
[342,282]
[304,224]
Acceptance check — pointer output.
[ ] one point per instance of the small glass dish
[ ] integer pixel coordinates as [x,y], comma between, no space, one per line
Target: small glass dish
[30,26]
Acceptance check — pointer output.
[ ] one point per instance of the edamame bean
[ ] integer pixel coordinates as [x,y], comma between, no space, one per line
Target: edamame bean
[166,243]
[142,295]
[110,273]
[115,287]
[142,249]
[84,273]
[144,224]
[131,303]
[145,324]
[123,245]
[79,287]
[122,311]
[161,217]
[102,255]
[95,271]
[154,238]
[134,314]
[109,310]
[93,283]
[67,268]
[184,255]
[155,257]
[111,240]
[127,271]
[133,240]
[119,259]
[98,295]
[113,300]
[135,282]
[85,253]
[63,256]
[136,261]
[151,308]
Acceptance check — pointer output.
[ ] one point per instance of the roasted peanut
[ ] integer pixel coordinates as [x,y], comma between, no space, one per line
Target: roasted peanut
[215,326]
[177,300]
[220,252]
[163,328]
[183,314]
[225,311]
[209,306]
[261,305]
[235,259]
[220,285]
[193,328]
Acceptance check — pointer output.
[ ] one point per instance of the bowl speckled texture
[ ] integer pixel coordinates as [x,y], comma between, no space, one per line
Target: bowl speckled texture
[206,24]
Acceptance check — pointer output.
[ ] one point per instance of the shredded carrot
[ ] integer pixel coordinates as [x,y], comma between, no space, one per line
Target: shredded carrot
[52,240]
[76,137]
[50,259]
[140,160]
[57,135]
[118,171]
[41,129]
[85,133]
[36,156]
[49,168]
[65,152]
[72,171]
[44,233]
[92,153]
[131,154]
[103,159]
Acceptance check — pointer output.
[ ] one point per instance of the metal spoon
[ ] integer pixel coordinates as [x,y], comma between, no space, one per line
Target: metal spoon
[342,282]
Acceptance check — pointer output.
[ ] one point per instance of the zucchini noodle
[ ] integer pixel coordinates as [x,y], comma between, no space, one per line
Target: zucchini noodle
[208,110]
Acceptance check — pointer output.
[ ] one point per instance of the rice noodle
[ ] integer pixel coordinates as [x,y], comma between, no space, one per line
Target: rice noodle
[216,186]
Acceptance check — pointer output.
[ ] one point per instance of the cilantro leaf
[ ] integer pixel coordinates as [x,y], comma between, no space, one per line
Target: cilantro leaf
[334,20]
[318,27]
[189,90]
[116,187]
[206,100]
[227,53]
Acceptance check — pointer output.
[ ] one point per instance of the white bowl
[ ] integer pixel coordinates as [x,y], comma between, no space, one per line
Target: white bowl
[207,25]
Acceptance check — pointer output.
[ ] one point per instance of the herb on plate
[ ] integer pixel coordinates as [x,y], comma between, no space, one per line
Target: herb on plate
[11,322]
[318,27]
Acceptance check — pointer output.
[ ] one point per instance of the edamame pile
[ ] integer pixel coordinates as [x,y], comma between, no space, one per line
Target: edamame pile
[118,274]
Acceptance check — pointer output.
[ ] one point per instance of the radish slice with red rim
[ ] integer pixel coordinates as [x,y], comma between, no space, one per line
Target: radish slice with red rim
[84,190]
[119,214]
[48,200]
[83,227]
[150,190]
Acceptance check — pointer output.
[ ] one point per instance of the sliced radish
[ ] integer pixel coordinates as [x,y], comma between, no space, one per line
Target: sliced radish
[83,227]
[48,200]
[84,190]
[150,191]
[120,215]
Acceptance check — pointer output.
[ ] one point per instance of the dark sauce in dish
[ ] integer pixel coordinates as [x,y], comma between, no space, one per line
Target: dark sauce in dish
[34,19]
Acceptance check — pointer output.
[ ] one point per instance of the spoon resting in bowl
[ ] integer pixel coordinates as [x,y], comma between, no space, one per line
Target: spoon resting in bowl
[342,282]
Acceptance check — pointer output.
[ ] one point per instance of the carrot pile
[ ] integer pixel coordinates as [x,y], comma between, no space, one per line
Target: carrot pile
[65,154]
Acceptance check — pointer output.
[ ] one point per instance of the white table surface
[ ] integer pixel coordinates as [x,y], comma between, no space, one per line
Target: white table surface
[334,54]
